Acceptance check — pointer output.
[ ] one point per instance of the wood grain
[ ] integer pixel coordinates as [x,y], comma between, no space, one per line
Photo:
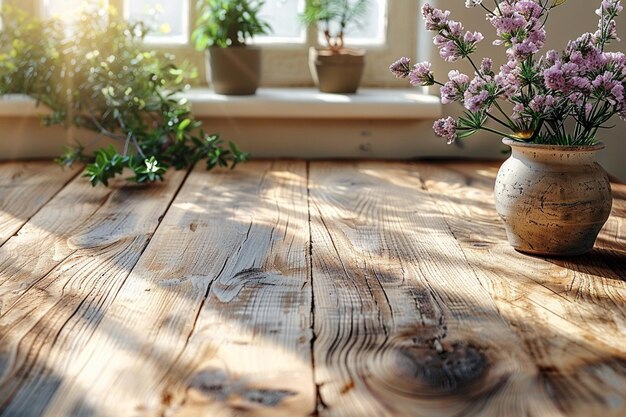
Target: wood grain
[91,240]
[613,235]
[403,325]
[294,289]
[25,187]
[215,318]
[570,313]
[47,239]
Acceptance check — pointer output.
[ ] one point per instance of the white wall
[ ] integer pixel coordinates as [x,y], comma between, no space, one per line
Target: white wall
[567,21]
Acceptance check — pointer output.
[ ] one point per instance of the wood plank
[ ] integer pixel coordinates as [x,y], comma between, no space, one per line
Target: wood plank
[613,235]
[570,313]
[25,187]
[47,239]
[215,319]
[88,240]
[403,325]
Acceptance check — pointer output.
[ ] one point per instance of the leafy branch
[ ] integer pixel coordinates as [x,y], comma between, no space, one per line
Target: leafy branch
[102,79]
[333,17]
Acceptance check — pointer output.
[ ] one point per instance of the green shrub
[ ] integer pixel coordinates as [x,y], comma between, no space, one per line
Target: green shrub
[100,77]
[226,23]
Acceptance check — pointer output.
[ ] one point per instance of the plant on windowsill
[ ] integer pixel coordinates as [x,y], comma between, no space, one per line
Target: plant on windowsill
[551,194]
[335,68]
[100,78]
[224,29]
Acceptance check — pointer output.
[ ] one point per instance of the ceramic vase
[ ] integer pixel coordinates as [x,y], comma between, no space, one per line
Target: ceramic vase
[553,199]
[234,70]
[338,73]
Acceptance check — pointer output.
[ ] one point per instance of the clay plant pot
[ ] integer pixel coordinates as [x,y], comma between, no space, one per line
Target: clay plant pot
[235,70]
[553,199]
[338,73]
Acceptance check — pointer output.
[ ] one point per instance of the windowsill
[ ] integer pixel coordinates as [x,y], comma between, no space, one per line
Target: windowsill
[309,103]
[290,103]
[19,105]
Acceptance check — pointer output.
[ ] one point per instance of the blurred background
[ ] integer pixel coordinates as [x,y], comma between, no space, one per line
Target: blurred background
[391,29]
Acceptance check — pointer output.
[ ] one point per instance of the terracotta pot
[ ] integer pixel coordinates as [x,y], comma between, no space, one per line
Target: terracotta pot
[553,199]
[338,73]
[235,70]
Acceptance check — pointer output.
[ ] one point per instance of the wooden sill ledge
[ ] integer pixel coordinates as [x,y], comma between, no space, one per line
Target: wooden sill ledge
[291,103]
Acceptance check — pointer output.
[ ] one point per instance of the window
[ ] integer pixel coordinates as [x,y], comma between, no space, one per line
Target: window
[285,51]
[168,20]
[282,15]
[287,65]
[371,30]
[68,10]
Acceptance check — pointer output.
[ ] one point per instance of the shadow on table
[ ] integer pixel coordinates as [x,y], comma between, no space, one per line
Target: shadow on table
[428,360]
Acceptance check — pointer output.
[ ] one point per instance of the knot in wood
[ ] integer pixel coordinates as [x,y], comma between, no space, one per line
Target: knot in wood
[436,369]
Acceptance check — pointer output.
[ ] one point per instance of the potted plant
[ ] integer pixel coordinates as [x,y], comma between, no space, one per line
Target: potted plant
[101,79]
[224,29]
[335,68]
[551,194]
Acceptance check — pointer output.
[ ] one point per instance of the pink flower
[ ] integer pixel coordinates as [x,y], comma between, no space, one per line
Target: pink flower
[486,67]
[607,28]
[615,62]
[518,109]
[508,80]
[607,86]
[446,128]
[609,7]
[451,39]
[476,96]
[554,77]
[422,74]
[473,37]
[583,86]
[401,68]
[435,19]
[542,104]
[454,89]
[519,26]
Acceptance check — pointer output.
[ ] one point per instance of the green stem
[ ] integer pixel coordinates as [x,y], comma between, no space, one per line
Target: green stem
[475,67]
[497,132]
[512,123]
[498,7]
[497,120]
[488,11]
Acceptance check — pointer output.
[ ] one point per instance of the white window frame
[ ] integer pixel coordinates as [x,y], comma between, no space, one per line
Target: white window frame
[156,41]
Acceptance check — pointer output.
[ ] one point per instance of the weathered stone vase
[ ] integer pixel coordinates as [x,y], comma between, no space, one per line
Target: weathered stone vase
[553,199]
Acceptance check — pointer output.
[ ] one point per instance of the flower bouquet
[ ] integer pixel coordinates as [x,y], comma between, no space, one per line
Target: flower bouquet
[552,195]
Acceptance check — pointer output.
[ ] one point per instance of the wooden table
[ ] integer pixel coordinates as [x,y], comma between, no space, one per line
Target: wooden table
[298,289]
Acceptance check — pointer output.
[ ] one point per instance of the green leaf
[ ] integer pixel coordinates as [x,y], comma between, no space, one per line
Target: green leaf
[184,125]
[227,23]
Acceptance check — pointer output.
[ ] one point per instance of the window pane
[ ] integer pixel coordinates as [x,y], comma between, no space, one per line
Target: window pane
[167,19]
[69,10]
[282,15]
[372,28]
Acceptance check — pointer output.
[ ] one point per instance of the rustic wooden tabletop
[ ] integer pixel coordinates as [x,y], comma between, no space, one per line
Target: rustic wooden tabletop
[294,288]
